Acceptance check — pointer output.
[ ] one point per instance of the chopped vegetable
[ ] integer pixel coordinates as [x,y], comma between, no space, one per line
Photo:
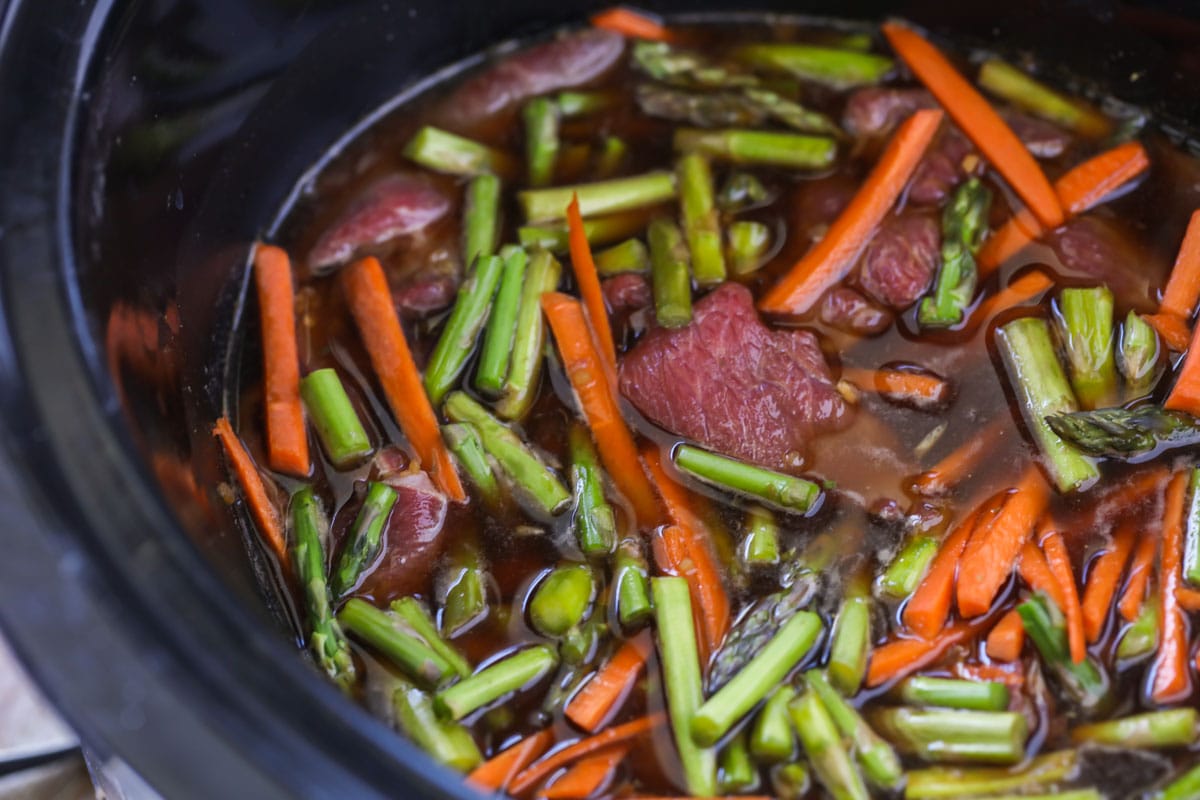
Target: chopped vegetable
[541,117]
[461,589]
[464,443]
[772,738]
[595,524]
[587,775]
[457,342]
[442,151]
[1122,433]
[950,782]
[540,770]
[448,742]
[955,736]
[909,567]
[628,256]
[511,674]
[632,24]
[1006,640]
[737,772]
[497,772]
[601,697]
[1084,682]
[562,599]
[747,246]
[669,274]
[1182,292]
[599,230]
[1191,532]
[878,760]
[1060,566]
[287,436]
[1141,637]
[1139,577]
[262,508]
[902,657]
[365,539]
[760,544]
[1103,579]
[525,365]
[1174,727]
[928,608]
[837,68]
[759,148]
[481,218]
[499,340]
[1170,680]
[413,612]
[601,197]
[785,492]
[393,638]
[1139,357]
[822,744]
[631,579]
[1086,326]
[850,646]
[964,222]
[334,418]
[1011,84]
[588,282]
[925,690]
[700,222]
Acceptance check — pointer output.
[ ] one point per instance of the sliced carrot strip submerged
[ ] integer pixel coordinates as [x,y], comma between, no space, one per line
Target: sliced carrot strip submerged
[496,773]
[1005,641]
[370,301]
[926,611]
[831,259]
[957,466]
[287,435]
[602,696]
[1170,679]
[919,388]
[1060,565]
[587,775]
[1185,394]
[978,120]
[902,657]
[1182,292]
[1189,599]
[1035,572]
[588,281]
[1139,578]
[540,770]
[1103,579]
[1022,290]
[266,516]
[631,23]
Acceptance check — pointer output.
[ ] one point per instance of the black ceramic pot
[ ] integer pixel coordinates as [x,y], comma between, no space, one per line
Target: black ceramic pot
[143,146]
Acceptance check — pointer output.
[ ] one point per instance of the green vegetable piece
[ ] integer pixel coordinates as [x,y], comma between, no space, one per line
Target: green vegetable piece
[481,218]
[449,743]
[525,364]
[628,256]
[467,319]
[631,579]
[1191,534]
[464,443]
[908,569]
[1139,357]
[365,539]
[541,118]
[924,690]
[595,523]
[599,198]
[964,221]
[823,746]
[700,222]
[785,492]
[838,69]
[737,773]
[499,339]
[771,737]
[1011,84]
[990,737]
[1141,637]
[956,782]
[1121,433]
[749,242]
[669,275]
[791,781]
[413,612]
[333,415]
[553,237]
[877,758]
[760,546]
[1173,727]
[442,151]
[761,148]
[1084,682]
[562,599]
[461,589]
[514,673]
[1185,787]
[851,644]
[581,104]
[1085,323]
[393,638]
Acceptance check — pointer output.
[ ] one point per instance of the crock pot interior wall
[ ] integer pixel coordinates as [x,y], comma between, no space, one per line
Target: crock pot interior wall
[195,119]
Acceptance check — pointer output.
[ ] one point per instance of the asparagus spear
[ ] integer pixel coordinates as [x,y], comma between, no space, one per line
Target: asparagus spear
[325,639]
[760,545]
[851,644]
[993,737]
[1085,321]
[765,148]
[1174,727]
[1139,357]
[680,661]
[791,113]
[393,638]
[628,256]
[1084,682]
[1191,531]
[823,746]
[1185,787]
[595,524]
[413,612]
[791,781]
[568,678]
[687,68]
[513,673]
[737,773]
[572,104]
[448,742]
[700,222]
[332,414]
[1141,637]
[562,599]
[461,589]
[442,151]
[457,341]
[601,197]
[908,569]
[612,156]
[529,337]
[964,221]
[464,443]
[771,737]
[498,340]
[364,540]
[785,492]
[1125,433]
[481,223]
[1041,388]
[742,191]
[669,274]
[534,480]
[748,245]
[838,69]
[541,117]
[923,690]
[877,758]
[580,643]
[1011,84]
[704,109]
[632,585]
[599,230]
[955,782]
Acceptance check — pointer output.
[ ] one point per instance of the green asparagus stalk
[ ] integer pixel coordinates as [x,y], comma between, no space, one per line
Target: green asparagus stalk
[741,192]
[791,113]
[687,68]
[568,678]
[457,341]
[1191,531]
[525,364]
[669,274]
[760,545]
[924,690]
[1085,322]
[1041,388]
[442,151]
[464,443]
[364,540]
[595,524]
[511,674]
[628,256]
[1141,637]
[761,148]
[749,242]
[449,743]
[326,641]
[580,644]
[956,782]
[541,118]
[1125,433]
[771,737]
[964,221]
[791,781]
[562,599]
[481,218]
[498,340]
[838,69]
[534,481]
[602,197]
[794,641]
[877,758]
[703,108]
[991,737]
[785,492]
[1184,787]
[599,230]
[573,104]
[413,612]
[1011,84]
[1139,357]
[392,637]
[700,223]
[851,643]
[332,414]
[680,662]
[631,579]
[461,589]
[908,569]
[823,746]
[737,773]
[612,156]
[1173,727]
[1084,682]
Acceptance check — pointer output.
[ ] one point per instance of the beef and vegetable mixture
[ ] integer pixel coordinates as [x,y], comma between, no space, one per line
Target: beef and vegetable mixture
[770,409]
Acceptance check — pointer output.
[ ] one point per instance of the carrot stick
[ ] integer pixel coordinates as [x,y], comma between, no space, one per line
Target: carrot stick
[926,611]
[1005,641]
[287,435]
[586,370]
[604,693]
[370,302]
[1035,571]
[1171,681]
[918,388]
[495,773]
[1079,190]
[1103,578]
[902,657]
[538,771]
[632,24]
[1188,599]
[1185,394]
[1060,564]
[585,777]
[979,121]
[832,258]
[588,281]
[957,466]
[266,516]
[1139,577]
[1022,290]
[1183,290]
[989,557]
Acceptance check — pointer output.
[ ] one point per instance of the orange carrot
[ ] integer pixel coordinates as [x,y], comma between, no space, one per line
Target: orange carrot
[588,281]
[370,301]
[1185,394]
[1139,577]
[632,24]
[1183,290]
[1103,578]
[926,611]
[1081,189]
[957,466]
[989,557]
[918,388]
[1188,599]
[1035,571]
[1022,290]
[832,258]
[979,121]
[585,368]
[1060,565]
[604,693]
[1170,679]
[287,435]
[1007,638]
[266,516]
[540,770]
[496,773]
[902,657]
[587,775]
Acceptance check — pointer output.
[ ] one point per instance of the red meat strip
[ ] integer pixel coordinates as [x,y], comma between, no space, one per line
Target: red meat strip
[847,310]
[627,293]
[898,264]
[1098,250]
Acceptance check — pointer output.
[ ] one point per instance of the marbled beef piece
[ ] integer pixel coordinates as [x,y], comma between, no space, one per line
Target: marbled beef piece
[899,263]
[875,111]
[817,203]
[627,293]
[412,540]
[941,168]
[847,310]
[732,384]
[1095,249]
